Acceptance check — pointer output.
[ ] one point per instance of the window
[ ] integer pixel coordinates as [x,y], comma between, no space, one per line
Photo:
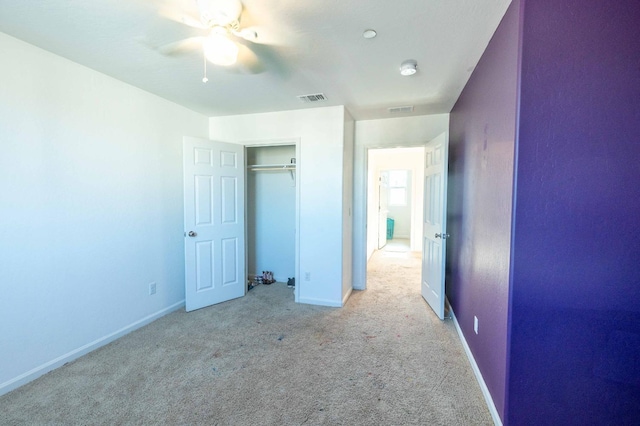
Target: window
[397,187]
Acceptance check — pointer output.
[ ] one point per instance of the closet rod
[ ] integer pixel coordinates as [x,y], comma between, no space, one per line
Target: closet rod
[272,167]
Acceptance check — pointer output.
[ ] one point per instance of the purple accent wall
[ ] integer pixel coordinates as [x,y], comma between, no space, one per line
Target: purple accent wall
[481,161]
[568,349]
[575,333]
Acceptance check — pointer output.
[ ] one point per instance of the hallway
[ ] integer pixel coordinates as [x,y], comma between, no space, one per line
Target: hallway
[393,281]
[395,264]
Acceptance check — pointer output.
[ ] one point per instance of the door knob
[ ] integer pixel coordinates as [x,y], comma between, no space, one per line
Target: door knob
[443,235]
[192,234]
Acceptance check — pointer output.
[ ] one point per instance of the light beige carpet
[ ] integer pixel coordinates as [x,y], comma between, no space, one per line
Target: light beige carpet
[383,359]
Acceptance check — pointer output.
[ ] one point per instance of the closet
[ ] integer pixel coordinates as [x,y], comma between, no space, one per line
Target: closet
[271,191]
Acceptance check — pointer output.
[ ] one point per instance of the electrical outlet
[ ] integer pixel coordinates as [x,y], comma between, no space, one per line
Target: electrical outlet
[307,276]
[475,324]
[152,289]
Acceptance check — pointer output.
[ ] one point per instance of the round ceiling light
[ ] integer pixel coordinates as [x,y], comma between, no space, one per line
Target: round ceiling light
[369,33]
[408,67]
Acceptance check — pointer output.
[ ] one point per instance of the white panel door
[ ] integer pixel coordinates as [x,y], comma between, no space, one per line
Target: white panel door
[434,226]
[214,222]
[383,207]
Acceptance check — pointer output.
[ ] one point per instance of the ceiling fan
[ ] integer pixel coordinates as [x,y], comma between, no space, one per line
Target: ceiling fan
[221,38]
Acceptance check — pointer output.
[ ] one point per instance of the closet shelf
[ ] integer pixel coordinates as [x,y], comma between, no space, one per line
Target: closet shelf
[271,167]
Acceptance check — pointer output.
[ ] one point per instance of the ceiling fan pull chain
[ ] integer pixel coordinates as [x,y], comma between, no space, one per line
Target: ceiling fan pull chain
[205,79]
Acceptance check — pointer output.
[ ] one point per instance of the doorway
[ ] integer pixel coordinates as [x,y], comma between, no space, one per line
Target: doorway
[271,212]
[395,181]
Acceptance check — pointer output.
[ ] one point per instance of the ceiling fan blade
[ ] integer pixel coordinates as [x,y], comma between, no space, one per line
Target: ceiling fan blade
[172,38]
[181,47]
[181,11]
[192,21]
[247,34]
[261,35]
[268,58]
[248,62]
[258,18]
[247,19]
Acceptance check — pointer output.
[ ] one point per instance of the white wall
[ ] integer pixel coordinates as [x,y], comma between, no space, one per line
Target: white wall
[320,170]
[91,209]
[385,133]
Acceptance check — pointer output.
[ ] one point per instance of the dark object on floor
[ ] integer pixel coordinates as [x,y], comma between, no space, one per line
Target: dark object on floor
[267,277]
[291,282]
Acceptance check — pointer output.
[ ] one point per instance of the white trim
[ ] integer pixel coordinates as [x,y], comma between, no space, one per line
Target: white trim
[347,295]
[296,289]
[320,302]
[270,142]
[474,366]
[43,369]
[398,132]
[400,237]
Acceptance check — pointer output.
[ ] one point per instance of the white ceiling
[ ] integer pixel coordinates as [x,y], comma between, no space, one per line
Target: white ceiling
[319,48]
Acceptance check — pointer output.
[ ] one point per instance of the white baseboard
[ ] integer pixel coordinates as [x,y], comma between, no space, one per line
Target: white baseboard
[400,237]
[347,295]
[320,302]
[33,374]
[474,366]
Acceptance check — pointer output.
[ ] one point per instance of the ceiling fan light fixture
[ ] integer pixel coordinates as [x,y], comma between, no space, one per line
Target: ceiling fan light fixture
[408,67]
[219,50]
[219,12]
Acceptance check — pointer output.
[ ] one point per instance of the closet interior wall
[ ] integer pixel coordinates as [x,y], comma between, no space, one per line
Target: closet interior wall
[271,207]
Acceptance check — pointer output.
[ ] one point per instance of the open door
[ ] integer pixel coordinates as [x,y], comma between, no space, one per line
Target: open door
[434,226]
[383,207]
[213,222]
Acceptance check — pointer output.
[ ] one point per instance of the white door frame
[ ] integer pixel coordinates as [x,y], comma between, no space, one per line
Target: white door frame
[279,142]
[361,264]
[383,182]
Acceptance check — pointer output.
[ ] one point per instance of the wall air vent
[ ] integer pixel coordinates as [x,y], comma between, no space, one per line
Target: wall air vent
[400,109]
[316,97]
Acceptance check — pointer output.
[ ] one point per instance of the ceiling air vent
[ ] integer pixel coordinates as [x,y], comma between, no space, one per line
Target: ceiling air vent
[316,97]
[400,109]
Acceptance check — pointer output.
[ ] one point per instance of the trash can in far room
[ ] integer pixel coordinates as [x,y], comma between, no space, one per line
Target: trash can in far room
[390,224]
